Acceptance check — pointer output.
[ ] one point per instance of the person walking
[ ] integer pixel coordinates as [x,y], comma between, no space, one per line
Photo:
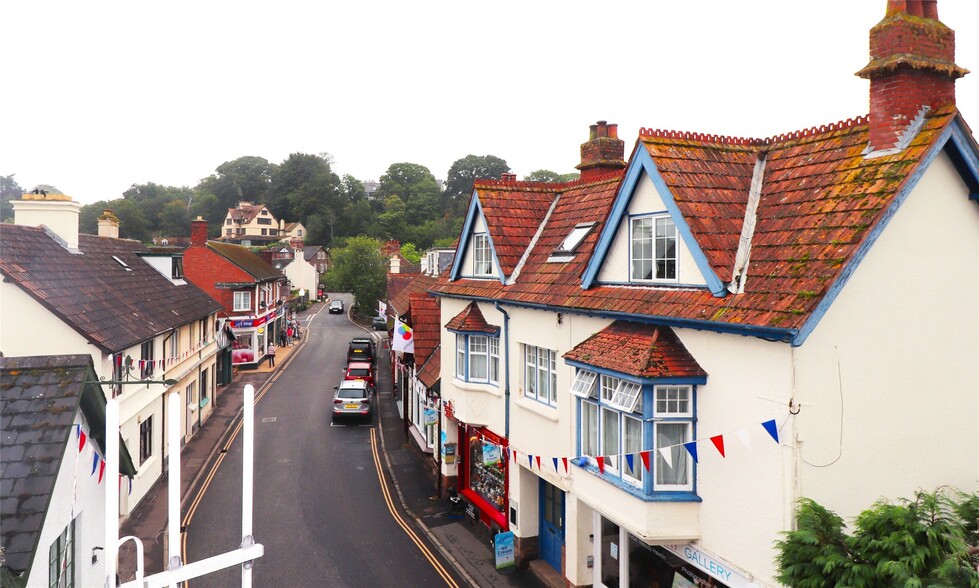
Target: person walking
[289,334]
[271,354]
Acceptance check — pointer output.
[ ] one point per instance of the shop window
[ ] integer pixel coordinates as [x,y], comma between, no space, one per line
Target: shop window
[487,471]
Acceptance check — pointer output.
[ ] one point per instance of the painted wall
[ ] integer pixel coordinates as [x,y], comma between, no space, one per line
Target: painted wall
[479,226]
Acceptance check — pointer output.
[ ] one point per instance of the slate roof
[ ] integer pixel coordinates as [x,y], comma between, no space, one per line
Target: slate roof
[821,201]
[111,305]
[644,351]
[426,325]
[471,320]
[513,211]
[243,257]
[39,400]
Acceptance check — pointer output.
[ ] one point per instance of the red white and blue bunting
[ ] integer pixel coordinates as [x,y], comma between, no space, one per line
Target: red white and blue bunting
[119,358]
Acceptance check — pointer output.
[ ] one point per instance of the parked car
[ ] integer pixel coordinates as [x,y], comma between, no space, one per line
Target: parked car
[336,307]
[352,400]
[362,349]
[360,370]
[380,323]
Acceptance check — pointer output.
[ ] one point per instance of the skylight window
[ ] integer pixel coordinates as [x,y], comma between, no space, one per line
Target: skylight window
[574,238]
[122,263]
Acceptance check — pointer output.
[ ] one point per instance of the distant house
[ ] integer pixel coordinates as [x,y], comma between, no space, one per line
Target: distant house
[52,512]
[251,291]
[295,265]
[292,231]
[318,256]
[645,369]
[252,225]
[132,311]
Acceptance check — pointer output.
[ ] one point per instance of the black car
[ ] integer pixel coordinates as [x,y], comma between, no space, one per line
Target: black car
[362,349]
[336,307]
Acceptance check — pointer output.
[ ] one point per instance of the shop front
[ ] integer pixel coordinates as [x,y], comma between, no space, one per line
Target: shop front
[483,476]
[252,336]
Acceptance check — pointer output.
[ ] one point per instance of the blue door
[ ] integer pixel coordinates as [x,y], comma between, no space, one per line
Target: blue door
[551,524]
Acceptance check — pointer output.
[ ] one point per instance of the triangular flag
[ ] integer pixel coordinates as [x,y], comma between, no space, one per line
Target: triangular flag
[130,486]
[530,460]
[95,462]
[744,436]
[644,455]
[691,448]
[538,462]
[771,428]
[565,460]
[81,439]
[555,463]
[101,471]
[514,456]
[507,450]
[601,463]
[718,441]
[667,455]
[628,460]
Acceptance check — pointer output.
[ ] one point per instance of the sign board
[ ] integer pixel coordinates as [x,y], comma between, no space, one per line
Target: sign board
[431,416]
[712,565]
[491,454]
[503,549]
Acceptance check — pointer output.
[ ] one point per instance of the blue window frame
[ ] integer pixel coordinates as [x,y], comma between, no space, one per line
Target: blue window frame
[477,358]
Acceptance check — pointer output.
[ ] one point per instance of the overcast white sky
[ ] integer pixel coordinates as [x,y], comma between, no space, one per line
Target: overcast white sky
[98,96]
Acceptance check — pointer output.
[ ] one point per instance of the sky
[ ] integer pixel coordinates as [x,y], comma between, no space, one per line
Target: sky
[99,96]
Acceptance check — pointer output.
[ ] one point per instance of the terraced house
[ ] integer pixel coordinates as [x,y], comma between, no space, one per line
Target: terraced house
[646,368]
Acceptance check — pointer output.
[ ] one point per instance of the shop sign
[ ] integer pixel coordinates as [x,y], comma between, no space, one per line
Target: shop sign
[491,454]
[712,565]
[248,323]
[503,549]
[431,416]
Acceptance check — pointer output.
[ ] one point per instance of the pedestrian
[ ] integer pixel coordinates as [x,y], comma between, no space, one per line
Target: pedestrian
[282,337]
[271,354]
[289,334]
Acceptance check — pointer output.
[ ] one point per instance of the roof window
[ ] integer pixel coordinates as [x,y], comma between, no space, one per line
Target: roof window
[566,249]
[122,263]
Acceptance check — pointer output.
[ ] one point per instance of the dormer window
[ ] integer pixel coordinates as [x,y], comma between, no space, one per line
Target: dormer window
[482,257]
[652,250]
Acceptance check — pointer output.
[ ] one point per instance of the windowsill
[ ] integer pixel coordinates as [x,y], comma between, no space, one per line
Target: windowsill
[661,496]
[474,387]
[545,411]
[419,439]
[205,401]
[145,467]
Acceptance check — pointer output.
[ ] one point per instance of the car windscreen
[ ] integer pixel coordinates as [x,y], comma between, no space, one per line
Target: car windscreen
[359,372]
[352,393]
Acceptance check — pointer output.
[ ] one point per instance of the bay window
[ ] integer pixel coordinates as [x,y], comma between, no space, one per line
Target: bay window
[477,358]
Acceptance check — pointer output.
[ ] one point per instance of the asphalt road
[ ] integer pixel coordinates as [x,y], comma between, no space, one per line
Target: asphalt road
[320,511]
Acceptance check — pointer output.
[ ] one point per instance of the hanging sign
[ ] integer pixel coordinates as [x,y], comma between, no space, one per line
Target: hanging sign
[431,416]
[491,454]
[504,552]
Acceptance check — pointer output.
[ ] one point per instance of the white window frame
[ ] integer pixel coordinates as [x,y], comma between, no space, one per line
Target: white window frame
[473,348]
[482,255]
[540,371]
[461,357]
[661,233]
[61,555]
[583,385]
[242,301]
[672,406]
[620,394]
[494,360]
[636,476]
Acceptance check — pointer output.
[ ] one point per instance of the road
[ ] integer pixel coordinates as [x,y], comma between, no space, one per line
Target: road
[320,510]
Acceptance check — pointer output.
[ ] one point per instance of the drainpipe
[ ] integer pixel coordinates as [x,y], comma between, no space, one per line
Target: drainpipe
[506,368]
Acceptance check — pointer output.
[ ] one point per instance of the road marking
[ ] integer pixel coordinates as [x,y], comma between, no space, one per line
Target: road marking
[401,522]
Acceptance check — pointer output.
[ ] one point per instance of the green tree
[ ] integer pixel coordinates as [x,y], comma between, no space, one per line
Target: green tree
[546,175]
[161,206]
[416,187]
[133,224]
[9,190]
[919,542]
[462,175]
[244,179]
[359,268]
[393,221]
[88,217]
[174,220]
[411,253]
[208,207]
[305,188]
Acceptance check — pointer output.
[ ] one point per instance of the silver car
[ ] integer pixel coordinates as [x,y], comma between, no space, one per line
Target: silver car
[352,401]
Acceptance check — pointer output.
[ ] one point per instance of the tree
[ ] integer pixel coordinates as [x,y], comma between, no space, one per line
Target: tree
[920,542]
[244,179]
[411,253]
[546,175]
[464,172]
[9,190]
[416,187]
[359,267]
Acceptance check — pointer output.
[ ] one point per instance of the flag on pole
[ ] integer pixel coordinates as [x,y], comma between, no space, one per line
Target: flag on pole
[402,340]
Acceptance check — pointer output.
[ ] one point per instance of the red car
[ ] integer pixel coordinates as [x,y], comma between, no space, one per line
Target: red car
[361,370]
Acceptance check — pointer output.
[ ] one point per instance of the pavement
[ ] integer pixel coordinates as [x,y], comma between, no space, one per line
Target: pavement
[463,543]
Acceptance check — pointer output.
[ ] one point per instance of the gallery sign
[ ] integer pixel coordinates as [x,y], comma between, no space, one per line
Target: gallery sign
[712,565]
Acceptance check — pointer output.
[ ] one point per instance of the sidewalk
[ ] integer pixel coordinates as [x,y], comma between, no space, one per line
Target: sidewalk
[470,553]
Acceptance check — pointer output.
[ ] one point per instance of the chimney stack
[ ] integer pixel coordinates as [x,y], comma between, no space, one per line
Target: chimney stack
[912,67]
[198,232]
[108,224]
[508,177]
[57,212]
[603,153]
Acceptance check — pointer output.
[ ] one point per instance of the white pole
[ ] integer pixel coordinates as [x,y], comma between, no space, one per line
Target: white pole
[247,480]
[111,491]
[173,481]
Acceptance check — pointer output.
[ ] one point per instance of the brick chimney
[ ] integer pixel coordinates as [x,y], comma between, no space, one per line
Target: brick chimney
[603,153]
[508,177]
[108,224]
[912,67]
[198,231]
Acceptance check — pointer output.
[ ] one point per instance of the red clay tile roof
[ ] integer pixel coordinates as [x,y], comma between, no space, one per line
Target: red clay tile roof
[406,285]
[94,294]
[643,351]
[426,325]
[820,200]
[430,372]
[513,212]
[471,320]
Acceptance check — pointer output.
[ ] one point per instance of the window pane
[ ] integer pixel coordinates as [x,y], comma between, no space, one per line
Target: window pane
[589,429]
[632,445]
[477,358]
[610,439]
[584,384]
[672,435]
[460,356]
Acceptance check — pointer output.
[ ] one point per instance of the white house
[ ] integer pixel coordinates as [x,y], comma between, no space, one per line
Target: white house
[130,310]
[651,365]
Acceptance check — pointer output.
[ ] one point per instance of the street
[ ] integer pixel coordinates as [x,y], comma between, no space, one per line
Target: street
[320,510]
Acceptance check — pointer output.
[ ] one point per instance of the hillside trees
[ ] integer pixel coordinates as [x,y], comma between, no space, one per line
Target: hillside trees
[359,267]
[462,174]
